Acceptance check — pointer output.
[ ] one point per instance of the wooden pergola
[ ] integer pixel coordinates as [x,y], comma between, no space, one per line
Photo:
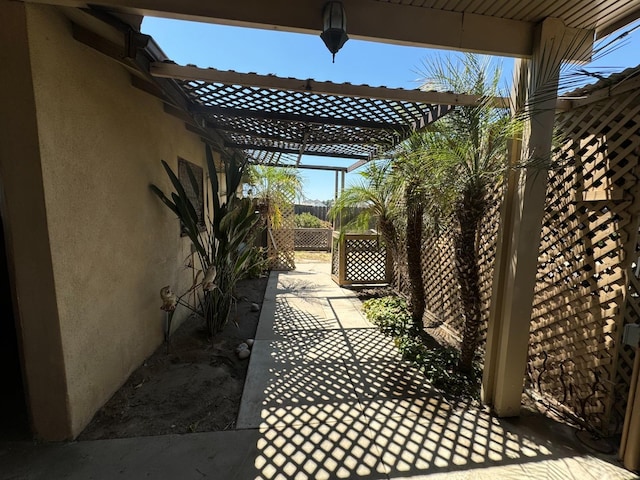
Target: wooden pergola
[277,120]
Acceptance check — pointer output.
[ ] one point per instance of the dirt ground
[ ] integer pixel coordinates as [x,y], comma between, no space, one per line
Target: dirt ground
[196,387]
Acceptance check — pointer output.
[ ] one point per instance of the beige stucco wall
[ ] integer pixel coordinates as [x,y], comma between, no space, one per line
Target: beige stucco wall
[26,232]
[113,244]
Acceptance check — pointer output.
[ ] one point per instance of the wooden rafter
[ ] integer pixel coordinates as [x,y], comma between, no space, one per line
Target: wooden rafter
[212,75]
[292,117]
[246,146]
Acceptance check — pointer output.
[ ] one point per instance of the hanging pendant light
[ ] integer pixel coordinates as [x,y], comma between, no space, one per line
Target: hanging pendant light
[334,33]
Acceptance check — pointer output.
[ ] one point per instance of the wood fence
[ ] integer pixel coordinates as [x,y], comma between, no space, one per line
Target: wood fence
[586,289]
[320,211]
[318,239]
[281,240]
[359,259]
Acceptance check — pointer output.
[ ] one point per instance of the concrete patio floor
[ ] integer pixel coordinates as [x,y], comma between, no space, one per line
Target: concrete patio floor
[327,396]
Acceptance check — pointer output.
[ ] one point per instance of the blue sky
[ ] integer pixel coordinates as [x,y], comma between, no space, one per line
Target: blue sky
[305,56]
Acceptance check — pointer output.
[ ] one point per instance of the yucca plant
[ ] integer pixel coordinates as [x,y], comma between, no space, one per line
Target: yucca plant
[224,248]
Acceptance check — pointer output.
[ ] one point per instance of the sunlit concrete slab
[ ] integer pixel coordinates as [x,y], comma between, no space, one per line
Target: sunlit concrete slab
[306,346]
[552,469]
[368,344]
[387,409]
[272,383]
[284,317]
[314,414]
[450,442]
[389,379]
[347,311]
[579,466]
[309,278]
[468,443]
[311,452]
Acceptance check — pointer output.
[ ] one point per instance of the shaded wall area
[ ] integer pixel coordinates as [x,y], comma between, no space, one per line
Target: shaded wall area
[107,244]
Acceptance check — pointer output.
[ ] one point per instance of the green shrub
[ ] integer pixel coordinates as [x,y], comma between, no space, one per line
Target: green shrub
[306,220]
[389,314]
[439,365]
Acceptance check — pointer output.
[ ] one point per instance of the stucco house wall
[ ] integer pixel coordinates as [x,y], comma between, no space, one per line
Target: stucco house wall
[111,243]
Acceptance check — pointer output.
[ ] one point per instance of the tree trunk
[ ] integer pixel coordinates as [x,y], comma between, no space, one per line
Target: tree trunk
[413,239]
[390,237]
[469,214]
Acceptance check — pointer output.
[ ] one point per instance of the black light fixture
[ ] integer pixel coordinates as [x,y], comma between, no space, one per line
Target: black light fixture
[334,33]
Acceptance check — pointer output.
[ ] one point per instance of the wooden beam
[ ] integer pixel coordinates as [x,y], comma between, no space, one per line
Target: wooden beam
[313,167]
[358,164]
[292,117]
[248,146]
[212,75]
[371,20]
[148,87]
[279,138]
[617,88]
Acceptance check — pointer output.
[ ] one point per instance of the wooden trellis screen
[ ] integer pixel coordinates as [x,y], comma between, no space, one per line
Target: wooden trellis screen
[359,259]
[442,292]
[281,240]
[444,319]
[588,242]
[313,239]
[587,282]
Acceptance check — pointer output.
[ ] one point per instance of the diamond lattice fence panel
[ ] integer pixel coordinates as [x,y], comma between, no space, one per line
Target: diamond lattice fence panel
[366,259]
[282,241]
[487,246]
[588,236]
[318,239]
[441,284]
[445,318]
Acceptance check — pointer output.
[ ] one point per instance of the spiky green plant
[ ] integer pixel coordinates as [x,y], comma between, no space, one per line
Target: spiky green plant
[224,249]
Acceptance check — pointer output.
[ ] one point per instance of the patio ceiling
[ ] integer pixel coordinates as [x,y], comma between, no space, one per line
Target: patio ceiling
[499,27]
[277,120]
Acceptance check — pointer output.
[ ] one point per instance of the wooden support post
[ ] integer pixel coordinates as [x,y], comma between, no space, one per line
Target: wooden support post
[515,278]
[342,269]
[518,100]
[336,223]
[630,441]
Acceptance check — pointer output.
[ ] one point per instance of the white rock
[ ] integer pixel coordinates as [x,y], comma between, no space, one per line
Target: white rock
[249,342]
[242,354]
[242,346]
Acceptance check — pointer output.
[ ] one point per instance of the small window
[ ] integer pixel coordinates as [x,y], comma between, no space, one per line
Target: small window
[196,196]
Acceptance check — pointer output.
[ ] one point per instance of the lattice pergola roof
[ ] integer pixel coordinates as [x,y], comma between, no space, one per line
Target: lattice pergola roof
[275,124]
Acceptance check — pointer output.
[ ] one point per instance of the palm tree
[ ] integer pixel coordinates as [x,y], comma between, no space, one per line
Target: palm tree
[377,197]
[274,188]
[469,149]
[411,172]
